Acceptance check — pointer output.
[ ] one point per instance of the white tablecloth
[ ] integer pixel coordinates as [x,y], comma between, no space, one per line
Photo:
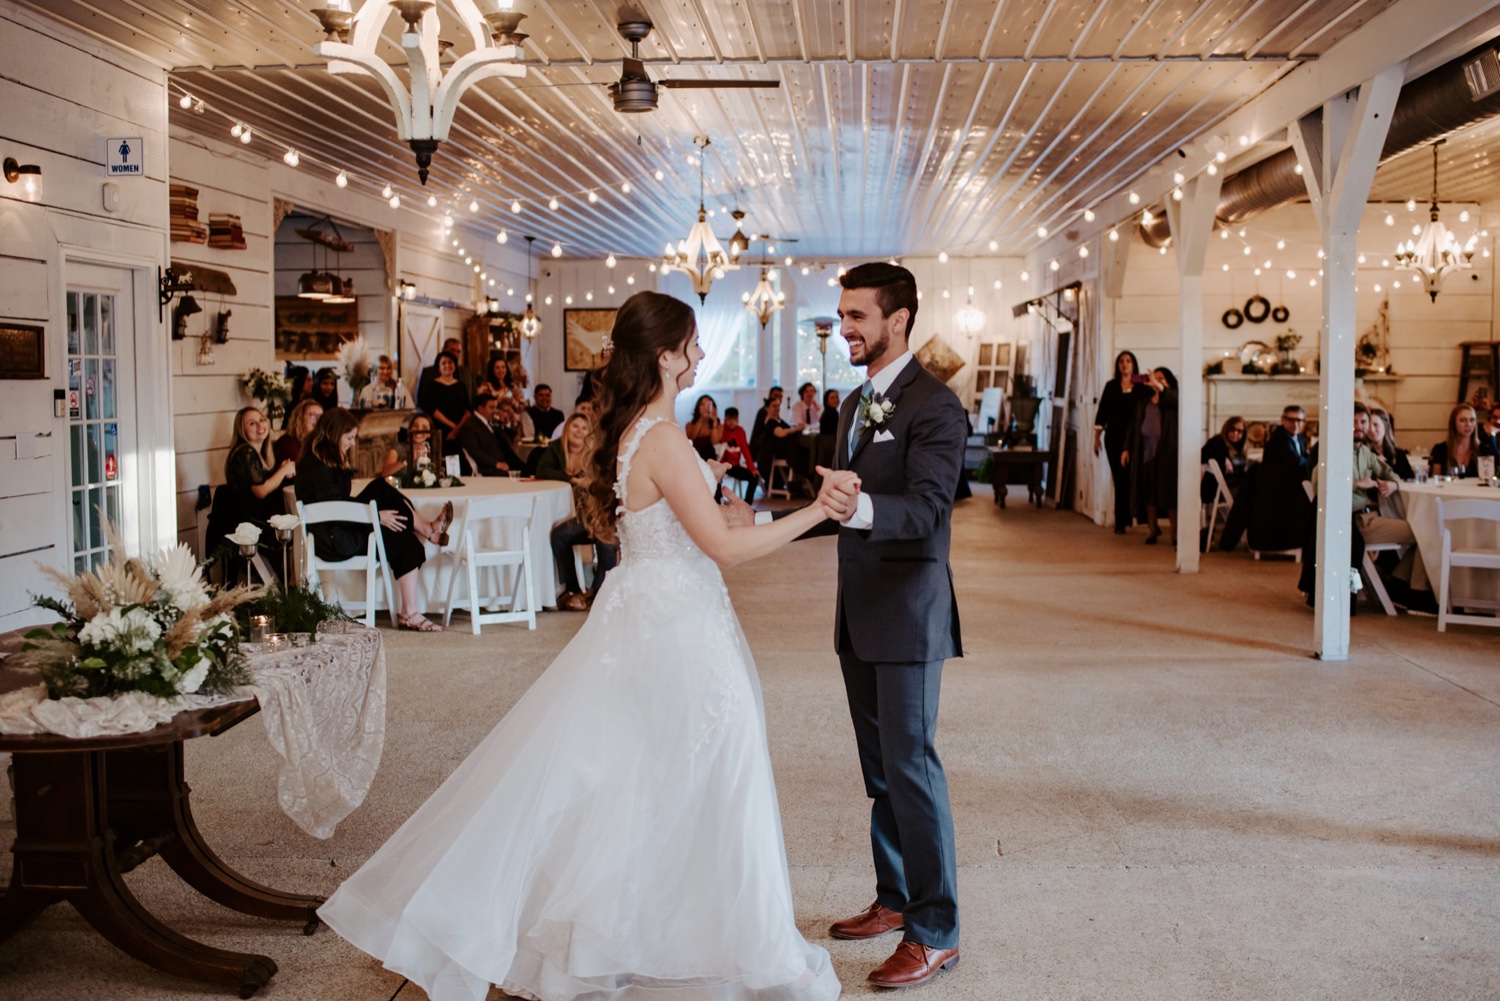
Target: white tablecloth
[1421,513]
[554,503]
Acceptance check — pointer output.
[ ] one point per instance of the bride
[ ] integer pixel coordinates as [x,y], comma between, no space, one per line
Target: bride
[616,837]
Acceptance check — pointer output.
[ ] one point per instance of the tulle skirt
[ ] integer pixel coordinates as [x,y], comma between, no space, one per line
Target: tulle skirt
[615,838]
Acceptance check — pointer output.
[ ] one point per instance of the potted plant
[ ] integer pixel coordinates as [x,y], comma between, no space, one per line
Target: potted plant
[1285,344]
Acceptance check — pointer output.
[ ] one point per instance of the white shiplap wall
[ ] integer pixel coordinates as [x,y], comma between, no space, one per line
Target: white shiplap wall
[62,95]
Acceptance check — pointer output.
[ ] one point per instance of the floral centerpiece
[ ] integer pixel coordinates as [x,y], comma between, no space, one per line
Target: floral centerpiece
[423,476]
[270,389]
[355,361]
[134,625]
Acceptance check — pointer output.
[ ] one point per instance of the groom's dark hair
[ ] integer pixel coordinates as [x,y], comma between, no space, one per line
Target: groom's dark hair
[895,288]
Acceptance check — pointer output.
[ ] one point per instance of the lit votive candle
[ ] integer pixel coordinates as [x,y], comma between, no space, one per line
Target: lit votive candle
[276,641]
[260,627]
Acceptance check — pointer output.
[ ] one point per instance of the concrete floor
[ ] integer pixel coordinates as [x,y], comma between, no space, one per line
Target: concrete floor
[1158,793]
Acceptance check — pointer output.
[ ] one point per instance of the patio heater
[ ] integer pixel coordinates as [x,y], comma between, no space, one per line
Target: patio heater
[823,327]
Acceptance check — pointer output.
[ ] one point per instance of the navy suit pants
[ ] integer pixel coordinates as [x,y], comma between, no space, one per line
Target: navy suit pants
[894,707]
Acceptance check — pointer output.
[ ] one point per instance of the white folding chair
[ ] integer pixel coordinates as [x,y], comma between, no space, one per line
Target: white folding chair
[583,564]
[521,510]
[785,469]
[1223,500]
[1476,557]
[373,563]
[1372,575]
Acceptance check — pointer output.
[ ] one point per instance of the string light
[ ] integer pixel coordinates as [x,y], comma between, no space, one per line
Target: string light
[1135,199]
[1114,237]
[395,201]
[246,135]
[625,188]
[1297,169]
[1221,157]
[630,279]
[1083,251]
[290,158]
[1178,179]
[1025,276]
[1088,215]
[1176,194]
[994,246]
[1052,264]
[186,102]
[386,192]
[342,180]
[556,250]
[432,201]
[942,257]
[1213,169]
[515,206]
[1411,205]
[1041,232]
[593,197]
[1390,220]
[548,300]
[1280,244]
[553,204]
[473,205]
[659,175]
[610,261]
[236,129]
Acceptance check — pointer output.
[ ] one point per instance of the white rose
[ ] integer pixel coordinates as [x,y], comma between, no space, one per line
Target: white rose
[427,478]
[245,534]
[283,522]
[193,680]
[102,629]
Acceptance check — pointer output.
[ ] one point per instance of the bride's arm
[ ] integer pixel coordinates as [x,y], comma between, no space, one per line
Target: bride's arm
[667,459]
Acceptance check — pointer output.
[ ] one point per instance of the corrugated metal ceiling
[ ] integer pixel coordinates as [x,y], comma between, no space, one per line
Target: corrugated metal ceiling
[901,127]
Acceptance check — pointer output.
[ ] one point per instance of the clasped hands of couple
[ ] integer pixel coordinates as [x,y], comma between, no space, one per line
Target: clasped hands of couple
[838,497]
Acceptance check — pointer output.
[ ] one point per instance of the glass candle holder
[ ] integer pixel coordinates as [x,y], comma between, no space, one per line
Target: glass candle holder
[276,641]
[260,627]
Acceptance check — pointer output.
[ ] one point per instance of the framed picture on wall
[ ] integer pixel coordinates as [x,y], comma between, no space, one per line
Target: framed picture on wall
[312,330]
[21,352]
[585,331]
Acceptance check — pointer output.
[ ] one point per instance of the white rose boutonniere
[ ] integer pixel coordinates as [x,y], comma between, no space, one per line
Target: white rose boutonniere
[877,412]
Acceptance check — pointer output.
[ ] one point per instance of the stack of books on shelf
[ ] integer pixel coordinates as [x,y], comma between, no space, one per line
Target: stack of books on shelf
[225,231]
[185,225]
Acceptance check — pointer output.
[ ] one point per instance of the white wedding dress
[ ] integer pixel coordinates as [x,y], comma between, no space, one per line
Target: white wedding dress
[616,837]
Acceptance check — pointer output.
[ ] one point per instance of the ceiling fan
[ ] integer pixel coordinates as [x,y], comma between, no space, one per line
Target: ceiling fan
[635,91]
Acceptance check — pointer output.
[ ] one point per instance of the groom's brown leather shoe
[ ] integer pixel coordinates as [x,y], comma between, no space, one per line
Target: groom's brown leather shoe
[912,964]
[874,920]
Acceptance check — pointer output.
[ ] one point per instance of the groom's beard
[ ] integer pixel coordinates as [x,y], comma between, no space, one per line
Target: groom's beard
[873,351]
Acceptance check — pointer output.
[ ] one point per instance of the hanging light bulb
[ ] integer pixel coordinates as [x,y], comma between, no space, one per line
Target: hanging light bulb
[610,261]
[994,246]
[942,257]
[1088,215]
[246,135]
[1280,244]
[1053,265]
[432,201]
[556,249]
[593,197]
[342,180]
[236,129]
[1083,251]
[385,192]
[553,204]
[186,102]
[1114,236]
[1135,199]
[290,158]
[1041,232]
[625,187]
[659,175]
[395,201]
[1025,276]
[502,237]
[1178,179]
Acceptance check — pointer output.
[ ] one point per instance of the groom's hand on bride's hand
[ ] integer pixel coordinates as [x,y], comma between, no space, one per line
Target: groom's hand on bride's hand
[840,493]
[737,514]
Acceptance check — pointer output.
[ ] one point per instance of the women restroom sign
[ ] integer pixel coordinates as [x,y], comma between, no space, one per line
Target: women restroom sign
[125,157]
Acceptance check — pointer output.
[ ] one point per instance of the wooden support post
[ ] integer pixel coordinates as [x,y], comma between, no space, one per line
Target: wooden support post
[1338,155]
[1192,221]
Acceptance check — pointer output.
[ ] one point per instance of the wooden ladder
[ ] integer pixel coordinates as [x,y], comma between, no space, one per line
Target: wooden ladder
[1480,367]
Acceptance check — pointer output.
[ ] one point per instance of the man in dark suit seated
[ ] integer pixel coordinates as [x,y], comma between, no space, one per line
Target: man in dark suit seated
[544,416]
[1272,505]
[491,453]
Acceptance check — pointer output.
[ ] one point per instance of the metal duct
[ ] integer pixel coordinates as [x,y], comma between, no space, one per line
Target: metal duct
[1429,108]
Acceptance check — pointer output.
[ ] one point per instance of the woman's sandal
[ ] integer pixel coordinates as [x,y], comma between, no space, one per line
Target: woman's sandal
[440,527]
[418,624]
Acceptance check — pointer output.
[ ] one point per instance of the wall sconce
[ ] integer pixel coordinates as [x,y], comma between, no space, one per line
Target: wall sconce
[27,177]
[171,283]
[406,290]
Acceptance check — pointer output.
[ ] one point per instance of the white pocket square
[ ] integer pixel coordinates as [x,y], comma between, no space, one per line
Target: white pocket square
[884,436]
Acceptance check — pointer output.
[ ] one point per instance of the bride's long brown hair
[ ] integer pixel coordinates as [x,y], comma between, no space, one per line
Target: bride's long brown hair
[646,325]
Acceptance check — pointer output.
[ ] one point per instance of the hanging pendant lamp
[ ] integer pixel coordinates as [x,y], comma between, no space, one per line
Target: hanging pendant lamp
[531,325]
[700,256]
[1436,253]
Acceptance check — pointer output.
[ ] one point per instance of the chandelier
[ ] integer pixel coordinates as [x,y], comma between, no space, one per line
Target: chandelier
[969,319]
[699,256]
[765,300]
[424,111]
[1436,253]
[531,325]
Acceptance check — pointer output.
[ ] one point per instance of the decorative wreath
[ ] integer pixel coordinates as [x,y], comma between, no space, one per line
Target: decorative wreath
[1280,314]
[1257,308]
[1232,318]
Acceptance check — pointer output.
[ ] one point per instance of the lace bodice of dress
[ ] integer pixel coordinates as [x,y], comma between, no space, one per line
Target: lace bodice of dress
[652,533]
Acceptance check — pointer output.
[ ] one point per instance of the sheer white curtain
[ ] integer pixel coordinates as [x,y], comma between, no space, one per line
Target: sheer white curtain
[721,319]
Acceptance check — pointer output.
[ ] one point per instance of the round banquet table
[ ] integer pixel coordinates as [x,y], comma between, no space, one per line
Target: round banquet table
[554,503]
[1420,503]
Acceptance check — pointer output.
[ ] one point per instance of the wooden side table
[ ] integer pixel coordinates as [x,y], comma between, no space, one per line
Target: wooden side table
[1034,460]
[90,810]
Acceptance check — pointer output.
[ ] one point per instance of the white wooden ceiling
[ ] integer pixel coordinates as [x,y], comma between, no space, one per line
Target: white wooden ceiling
[901,126]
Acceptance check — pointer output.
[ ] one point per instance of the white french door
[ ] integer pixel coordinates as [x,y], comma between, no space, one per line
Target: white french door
[102,466]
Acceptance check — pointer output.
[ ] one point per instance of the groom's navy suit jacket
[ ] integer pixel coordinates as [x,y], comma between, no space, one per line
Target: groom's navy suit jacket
[895,587]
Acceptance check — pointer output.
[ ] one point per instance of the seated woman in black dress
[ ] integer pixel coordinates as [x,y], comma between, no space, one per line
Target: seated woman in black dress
[1458,455]
[1383,440]
[1227,448]
[829,422]
[325,473]
[252,479]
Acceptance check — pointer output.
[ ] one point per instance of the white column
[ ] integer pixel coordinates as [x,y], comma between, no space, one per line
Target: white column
[1192,222]
[1338,156]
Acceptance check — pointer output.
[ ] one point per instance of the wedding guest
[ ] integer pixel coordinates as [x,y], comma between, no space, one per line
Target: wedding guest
[1150,455]
[1458,454]
[250,471]
[1287,446]
[737,453]
[806,410]
[454,347]
[414,443]
[1112,423]
[326,473]
[829,422]
[583,405]
[544,416]
[757,427]
[516,368]
[704,430]
[1382,439]
[513,420]
[1271,507]
[446,399]
[1227,448]
[499,381]
[300,380]
[385,391]
[566,461]
[776,437]
[304,418]
[1491,429]
[326,388]
[480,438]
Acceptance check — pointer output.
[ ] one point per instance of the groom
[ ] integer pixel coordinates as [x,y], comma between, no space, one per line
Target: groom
[903,435]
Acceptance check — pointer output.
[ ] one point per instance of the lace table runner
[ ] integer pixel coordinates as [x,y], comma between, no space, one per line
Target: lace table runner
[323,707]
